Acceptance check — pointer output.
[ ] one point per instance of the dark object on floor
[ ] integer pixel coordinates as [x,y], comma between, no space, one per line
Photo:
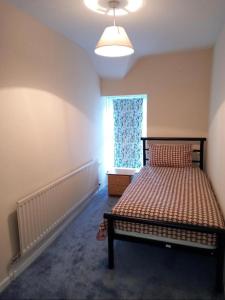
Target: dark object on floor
[75,267]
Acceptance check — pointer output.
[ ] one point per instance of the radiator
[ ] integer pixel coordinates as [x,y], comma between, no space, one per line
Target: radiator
[39,213]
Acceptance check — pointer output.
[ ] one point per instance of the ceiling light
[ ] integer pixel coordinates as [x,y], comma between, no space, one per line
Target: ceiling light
[123,6]
[114,41]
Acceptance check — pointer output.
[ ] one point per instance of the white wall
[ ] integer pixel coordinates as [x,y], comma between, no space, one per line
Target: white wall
[50,114]
[178,89]
[216,141]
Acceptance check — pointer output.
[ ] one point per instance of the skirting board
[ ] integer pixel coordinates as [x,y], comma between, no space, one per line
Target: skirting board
[24,263]
[4,283]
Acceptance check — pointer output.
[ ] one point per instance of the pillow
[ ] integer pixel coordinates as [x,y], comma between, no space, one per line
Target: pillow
[170,155]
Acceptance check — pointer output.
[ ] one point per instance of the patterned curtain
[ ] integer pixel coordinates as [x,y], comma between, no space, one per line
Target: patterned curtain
[128,119]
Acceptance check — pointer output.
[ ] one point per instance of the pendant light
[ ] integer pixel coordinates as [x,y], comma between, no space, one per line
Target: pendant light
[114,41]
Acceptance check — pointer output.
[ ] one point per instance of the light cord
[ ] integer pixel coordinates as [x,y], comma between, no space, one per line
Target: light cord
[114,16]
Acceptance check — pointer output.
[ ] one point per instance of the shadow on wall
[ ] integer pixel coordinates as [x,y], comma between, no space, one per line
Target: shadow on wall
[217,105]
[14,233]
[70,93]
[217,112]
[35,57]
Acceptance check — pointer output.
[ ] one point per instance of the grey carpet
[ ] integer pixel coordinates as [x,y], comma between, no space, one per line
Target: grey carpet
[75,267]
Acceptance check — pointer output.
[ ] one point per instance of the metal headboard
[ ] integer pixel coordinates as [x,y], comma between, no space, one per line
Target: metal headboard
[200,140]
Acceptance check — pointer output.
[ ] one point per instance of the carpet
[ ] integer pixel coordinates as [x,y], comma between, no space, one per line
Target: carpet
[75,267]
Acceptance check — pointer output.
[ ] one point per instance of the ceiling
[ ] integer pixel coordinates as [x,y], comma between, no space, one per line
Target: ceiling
[160,26]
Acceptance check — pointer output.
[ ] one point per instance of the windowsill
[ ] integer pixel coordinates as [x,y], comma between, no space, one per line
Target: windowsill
[123,171]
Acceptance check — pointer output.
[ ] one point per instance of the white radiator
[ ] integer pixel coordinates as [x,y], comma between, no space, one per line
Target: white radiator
[39,213]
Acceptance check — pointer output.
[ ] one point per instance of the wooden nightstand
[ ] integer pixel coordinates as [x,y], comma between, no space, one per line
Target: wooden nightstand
[118,180]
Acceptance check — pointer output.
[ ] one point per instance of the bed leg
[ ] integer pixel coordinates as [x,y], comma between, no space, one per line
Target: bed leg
[110,244]
[220,264]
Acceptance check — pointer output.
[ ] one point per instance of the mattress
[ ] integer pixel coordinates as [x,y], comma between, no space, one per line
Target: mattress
[181,195]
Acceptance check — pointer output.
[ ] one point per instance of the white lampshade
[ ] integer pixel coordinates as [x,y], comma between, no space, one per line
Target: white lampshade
[114,42]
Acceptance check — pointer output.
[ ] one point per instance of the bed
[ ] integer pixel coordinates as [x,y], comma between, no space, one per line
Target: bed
[170,206]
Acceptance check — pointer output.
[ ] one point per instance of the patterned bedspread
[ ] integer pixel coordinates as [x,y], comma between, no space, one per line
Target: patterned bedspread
[181,195]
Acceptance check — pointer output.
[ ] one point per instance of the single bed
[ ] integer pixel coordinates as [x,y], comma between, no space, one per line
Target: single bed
[170,206]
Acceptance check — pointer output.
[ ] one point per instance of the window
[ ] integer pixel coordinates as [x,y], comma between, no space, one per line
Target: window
[125,123]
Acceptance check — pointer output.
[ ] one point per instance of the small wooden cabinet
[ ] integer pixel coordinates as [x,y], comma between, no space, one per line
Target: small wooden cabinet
[118,180]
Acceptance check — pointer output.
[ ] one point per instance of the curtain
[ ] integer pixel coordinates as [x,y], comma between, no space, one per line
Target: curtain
[128,123]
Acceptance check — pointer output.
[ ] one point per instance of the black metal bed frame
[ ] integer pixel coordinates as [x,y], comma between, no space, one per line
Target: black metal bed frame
[218,252]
